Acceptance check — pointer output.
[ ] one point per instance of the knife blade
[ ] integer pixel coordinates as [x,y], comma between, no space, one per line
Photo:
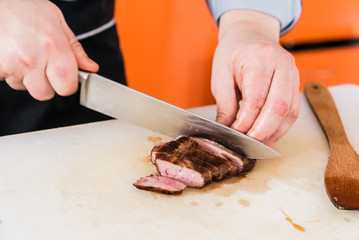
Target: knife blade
[122,102]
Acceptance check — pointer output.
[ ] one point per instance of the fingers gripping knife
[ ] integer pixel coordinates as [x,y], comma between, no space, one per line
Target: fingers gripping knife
[121,102]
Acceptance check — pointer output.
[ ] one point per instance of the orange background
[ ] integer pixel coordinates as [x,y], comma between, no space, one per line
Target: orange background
[327,20]
[168,46]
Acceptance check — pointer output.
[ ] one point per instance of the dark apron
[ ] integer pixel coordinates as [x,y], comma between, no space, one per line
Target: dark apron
[19,112]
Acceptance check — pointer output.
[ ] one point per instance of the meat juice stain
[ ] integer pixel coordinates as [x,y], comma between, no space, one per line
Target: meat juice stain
[193,203]
[154,140]
[147,159]
[244,202]
[218,204]
[222,188]
[296,226]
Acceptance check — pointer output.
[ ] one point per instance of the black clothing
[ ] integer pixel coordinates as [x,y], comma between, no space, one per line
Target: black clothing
[85,15]
[19,112]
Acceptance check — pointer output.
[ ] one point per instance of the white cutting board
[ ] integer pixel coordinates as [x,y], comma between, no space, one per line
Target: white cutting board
[76,183]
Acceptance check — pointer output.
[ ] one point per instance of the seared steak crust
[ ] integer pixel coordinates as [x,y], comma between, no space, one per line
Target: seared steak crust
[219,167]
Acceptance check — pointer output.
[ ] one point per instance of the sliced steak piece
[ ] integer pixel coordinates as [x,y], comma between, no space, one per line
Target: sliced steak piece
[225,167]
[163,147]
[186,140]
[215,171]
[197,159]
[191,147]
[220,151]
[193,162]
[187,148]
[243,163]
[160,184]
[248,164]
[192,175]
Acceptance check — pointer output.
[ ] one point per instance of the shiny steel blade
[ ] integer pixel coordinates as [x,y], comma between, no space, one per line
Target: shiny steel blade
[122,102]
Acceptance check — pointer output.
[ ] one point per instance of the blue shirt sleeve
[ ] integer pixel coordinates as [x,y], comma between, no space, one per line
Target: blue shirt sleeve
[286,11]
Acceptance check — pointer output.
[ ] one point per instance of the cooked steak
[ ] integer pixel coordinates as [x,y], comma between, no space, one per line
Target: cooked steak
[185,147]
[160,184]
[184,170]
[163,147]
[194,162]
[198,158]
[248,165]
[220,151]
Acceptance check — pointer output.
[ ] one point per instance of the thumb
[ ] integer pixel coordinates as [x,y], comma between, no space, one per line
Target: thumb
[83,61]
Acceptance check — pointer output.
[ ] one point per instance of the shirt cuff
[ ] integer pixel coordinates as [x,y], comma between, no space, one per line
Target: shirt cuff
[286,11]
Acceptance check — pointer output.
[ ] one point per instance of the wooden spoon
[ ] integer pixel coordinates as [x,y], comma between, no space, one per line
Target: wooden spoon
[341,176]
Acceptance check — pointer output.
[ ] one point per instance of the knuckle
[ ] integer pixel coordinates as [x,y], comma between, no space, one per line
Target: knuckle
[63,78]
[221,115]
[76,44]
[19,61]
[293,114]
[224,118]
[47,42]
[289,58]
[280,108]
[267,49]
[256,103]
[14,83]
[26,61]
[260,136]
[67,89]
[43,95]
[46,97]
[41,92]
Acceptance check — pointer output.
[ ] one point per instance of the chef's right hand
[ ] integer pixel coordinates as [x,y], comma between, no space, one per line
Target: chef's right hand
[251,66]
[39,52]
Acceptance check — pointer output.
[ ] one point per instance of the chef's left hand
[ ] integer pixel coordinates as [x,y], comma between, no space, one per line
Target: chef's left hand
[250,65]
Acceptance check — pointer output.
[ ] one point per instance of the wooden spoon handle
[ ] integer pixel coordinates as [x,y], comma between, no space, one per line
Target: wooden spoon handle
[324,108]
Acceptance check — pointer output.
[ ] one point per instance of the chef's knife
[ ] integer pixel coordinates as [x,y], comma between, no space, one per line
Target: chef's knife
[121,102]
